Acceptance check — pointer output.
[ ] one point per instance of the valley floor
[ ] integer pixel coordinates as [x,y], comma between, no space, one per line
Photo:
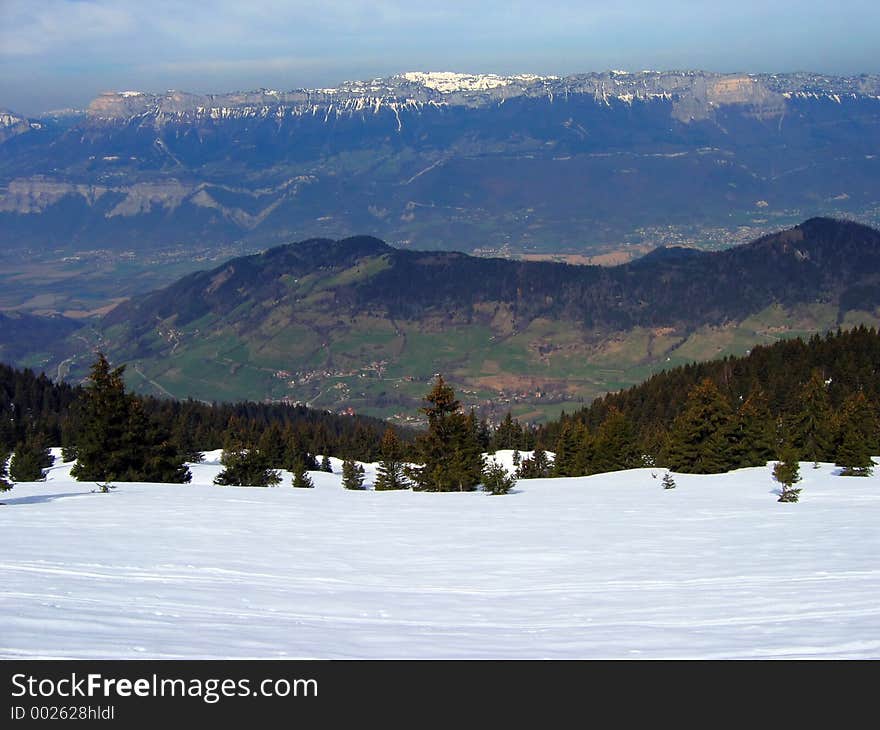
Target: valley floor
[610,566]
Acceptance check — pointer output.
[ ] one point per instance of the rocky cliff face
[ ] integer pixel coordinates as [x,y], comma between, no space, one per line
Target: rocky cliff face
[694,94]
[12,125]
[446,159]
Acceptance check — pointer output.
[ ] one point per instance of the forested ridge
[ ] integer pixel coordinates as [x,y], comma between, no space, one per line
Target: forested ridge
[34,403]
[807,396]
[821,260]
[815,399]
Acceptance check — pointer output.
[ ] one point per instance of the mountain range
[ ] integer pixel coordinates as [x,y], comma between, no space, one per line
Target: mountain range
[476,162]
[357,324]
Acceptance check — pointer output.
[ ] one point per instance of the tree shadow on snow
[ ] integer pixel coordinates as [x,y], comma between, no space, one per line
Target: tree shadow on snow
[38,498]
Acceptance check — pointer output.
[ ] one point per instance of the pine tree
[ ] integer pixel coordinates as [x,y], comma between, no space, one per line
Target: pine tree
[297,455]
[854,456]
[301,478]
[272,444]
[586,450]
[468,455]
[325,464]
[184,436]
[536,467]
[668,481]
[389,473]
[484,435]
[496,480]
[5,486]
[811,426]
[857,431]
[700,438]
[449,451]
[508,435]
[30,460]
[163,459]
[615,446]
[70,431]
[787,473]
[754,437]
[246,468]
[117,440]
[101,448]
[352,474]
[151,456]
[566,462]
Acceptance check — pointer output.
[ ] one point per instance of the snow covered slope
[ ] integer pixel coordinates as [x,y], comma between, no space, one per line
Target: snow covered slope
[604,566]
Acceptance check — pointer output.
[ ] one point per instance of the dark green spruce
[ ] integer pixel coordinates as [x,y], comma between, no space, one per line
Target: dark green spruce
[352,474]
[390,471]
[449,451]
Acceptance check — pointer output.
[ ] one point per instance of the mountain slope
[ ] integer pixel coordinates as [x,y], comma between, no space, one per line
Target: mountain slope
[848,361]
[447,160]
[359,323]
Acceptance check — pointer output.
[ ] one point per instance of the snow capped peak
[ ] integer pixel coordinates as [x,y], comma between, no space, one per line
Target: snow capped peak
[449,81]
[8,119]
[131,93]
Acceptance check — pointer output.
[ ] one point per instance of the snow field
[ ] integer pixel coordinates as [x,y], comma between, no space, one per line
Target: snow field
[608,566]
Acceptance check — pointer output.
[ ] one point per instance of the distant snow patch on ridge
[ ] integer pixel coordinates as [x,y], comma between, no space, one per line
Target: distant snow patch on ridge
[449,81]
[8,119]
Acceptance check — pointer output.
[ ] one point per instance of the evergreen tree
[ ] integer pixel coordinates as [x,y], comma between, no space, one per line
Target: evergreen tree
[246,468]
[301,478]
[536,467]
[856,437]
[184,436]
[389,473]
[787,473]
[4,475]
[754,442]
[449,451]
[668,481]
[150,454]
[297,456]
[163,462]
[325,464]
[101,446]
[484,435]
[68,452]
[586,451]
[811,426]
[70,431]
[566,462]
[700,439]
[508,435]
[272,444]
[615,446]
[853,456]
[496,480]
[30,460]
[468,455]
[352,474]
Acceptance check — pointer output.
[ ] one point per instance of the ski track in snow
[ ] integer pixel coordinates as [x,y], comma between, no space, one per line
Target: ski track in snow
[609,566]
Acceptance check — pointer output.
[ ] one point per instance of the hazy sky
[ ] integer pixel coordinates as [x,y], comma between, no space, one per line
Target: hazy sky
[59,53]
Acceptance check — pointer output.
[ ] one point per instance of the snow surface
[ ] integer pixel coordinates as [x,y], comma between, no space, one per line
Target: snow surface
[609,566]
[449,81]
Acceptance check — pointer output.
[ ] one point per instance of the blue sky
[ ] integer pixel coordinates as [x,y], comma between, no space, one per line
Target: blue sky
[59,53]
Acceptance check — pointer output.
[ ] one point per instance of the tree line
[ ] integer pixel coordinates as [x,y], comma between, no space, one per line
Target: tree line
[811,400]
[816,398]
